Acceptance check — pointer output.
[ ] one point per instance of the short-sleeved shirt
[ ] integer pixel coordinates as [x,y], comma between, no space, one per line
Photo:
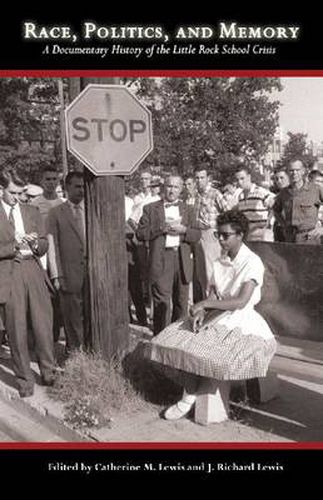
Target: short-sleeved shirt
[140,200]
[228,278]
[255,206]
[229,274]
[208,206]
[232,199]
[298,208]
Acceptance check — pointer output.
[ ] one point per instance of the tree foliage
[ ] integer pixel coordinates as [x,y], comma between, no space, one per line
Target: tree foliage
[210,120]
[29,126]
[297,148]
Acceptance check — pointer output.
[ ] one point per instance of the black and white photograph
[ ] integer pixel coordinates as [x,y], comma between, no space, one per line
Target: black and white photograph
[161,255]
[114,287]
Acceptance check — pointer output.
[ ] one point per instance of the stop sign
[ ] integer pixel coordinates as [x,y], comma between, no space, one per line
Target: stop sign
[108,129]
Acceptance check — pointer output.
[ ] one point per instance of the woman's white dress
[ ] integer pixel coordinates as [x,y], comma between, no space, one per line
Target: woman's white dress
[231,345]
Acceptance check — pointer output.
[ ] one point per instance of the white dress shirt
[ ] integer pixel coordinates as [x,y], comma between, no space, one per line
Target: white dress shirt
[20,232]
[128,206]
[172,215]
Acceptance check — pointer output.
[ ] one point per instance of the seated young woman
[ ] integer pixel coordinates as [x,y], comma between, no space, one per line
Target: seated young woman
[224,337]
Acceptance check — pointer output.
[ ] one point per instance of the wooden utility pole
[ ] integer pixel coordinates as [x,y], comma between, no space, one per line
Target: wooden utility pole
[62,124]
[107,321]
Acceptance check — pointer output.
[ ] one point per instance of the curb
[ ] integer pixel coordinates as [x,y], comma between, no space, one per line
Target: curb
[40,405]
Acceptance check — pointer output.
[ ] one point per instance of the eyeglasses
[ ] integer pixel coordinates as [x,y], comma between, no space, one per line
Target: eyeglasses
[223,234]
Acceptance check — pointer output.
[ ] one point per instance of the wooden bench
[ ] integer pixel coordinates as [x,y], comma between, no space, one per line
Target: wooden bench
[297,358]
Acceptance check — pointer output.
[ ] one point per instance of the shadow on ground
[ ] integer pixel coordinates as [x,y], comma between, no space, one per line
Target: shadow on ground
[296,414]
[149,379]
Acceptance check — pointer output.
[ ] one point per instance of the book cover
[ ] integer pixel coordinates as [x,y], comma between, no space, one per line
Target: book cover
[219,86]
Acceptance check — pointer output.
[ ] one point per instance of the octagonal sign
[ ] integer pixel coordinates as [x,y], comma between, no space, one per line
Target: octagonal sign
[108,129]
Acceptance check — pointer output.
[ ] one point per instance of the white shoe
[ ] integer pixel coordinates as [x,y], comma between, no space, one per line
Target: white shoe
[178,410]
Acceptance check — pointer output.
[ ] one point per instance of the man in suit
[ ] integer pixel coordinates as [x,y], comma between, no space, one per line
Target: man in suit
[66,224]
[167,225]
[24,288]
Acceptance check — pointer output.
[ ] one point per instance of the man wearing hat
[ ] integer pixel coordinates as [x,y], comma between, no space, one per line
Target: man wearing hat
[32,191]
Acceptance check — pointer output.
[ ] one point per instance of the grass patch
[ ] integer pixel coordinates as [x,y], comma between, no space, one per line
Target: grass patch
[95,391]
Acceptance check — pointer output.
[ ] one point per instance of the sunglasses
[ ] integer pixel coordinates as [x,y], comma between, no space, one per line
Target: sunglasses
[225,235]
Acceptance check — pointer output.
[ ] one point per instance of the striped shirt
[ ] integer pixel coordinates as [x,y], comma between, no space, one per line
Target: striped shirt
[255,206]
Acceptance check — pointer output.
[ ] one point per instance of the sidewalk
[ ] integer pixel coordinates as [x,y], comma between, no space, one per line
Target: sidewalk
[39,403]
[295,416]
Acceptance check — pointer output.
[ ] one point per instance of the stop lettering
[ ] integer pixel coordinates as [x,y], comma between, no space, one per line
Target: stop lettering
[100,128]
[109,129]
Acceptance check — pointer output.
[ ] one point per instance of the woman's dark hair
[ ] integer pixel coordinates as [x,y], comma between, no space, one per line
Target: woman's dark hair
[237,220]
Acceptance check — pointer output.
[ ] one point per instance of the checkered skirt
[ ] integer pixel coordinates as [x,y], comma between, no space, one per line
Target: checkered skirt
[214,352]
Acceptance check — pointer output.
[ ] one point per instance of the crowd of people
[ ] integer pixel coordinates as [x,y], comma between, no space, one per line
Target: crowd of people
[196,233]
[287,211]
[43,269]
[189,266]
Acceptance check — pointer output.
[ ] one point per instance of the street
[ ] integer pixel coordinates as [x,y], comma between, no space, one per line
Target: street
[22,425]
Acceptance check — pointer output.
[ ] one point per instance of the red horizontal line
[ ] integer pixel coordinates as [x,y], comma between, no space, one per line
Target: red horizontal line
[163,446]
[160,72]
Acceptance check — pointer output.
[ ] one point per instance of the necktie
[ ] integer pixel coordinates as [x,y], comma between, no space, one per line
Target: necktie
[172,204]
[79,220]
[11,219]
